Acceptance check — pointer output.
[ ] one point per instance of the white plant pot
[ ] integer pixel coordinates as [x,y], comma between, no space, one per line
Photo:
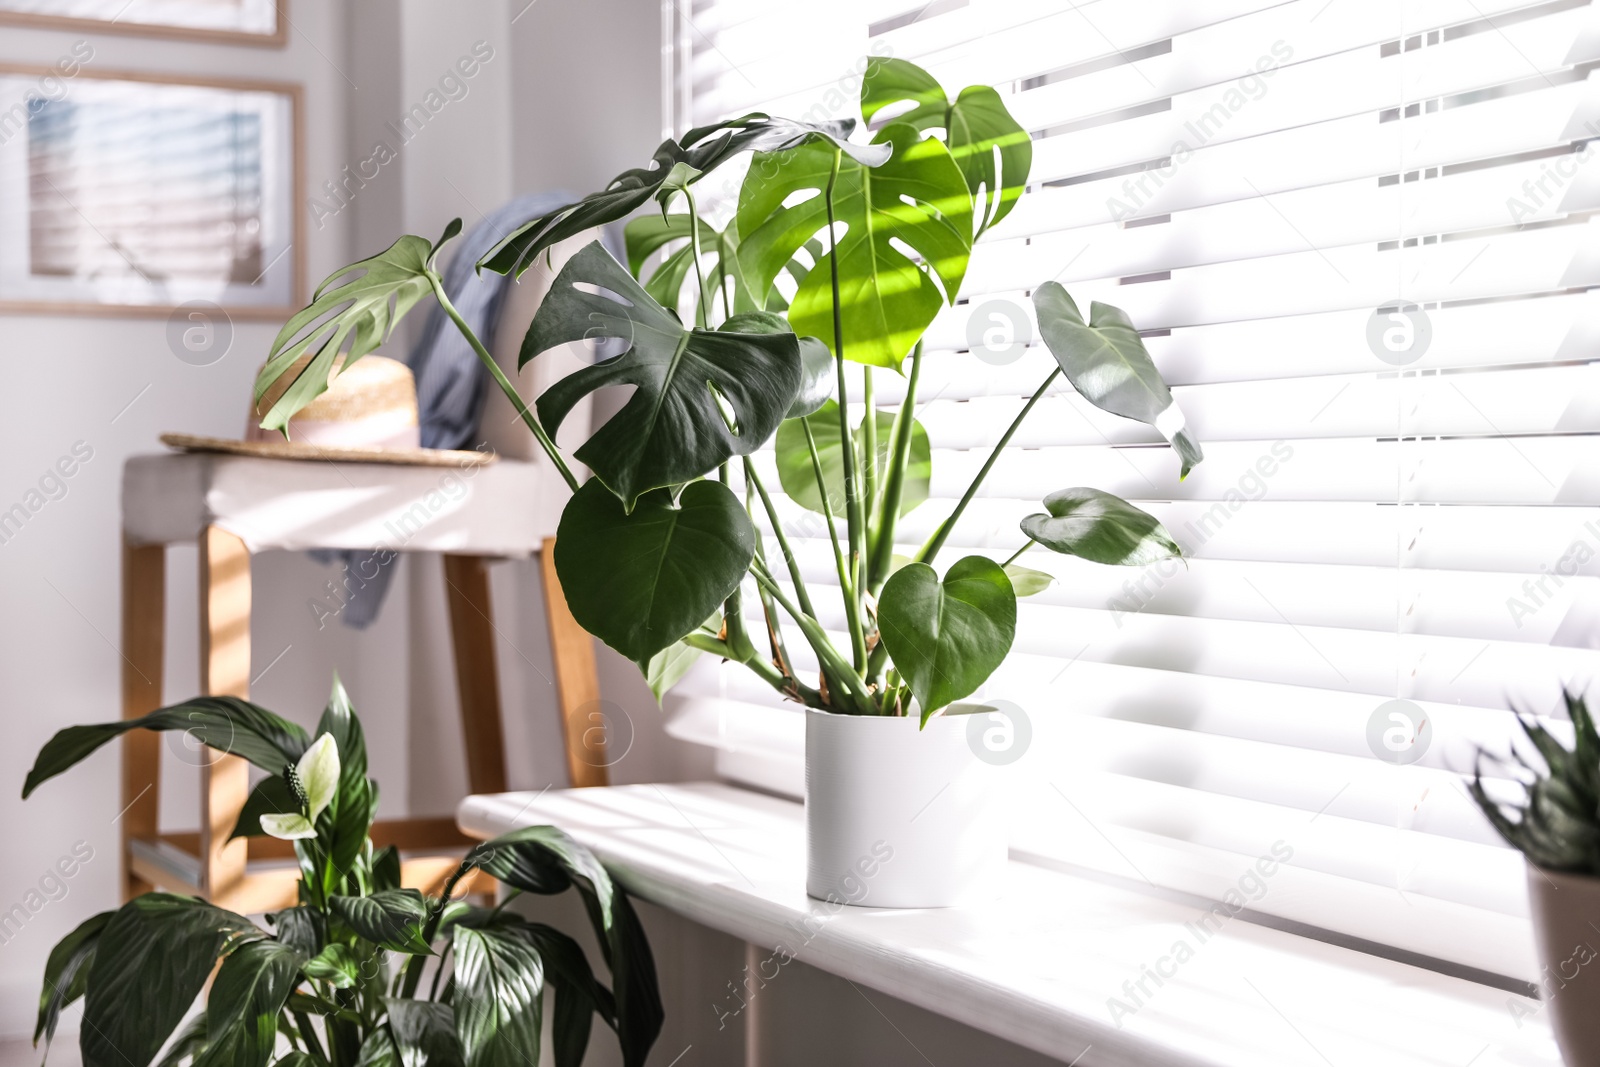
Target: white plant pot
[898,817]
[1566,931]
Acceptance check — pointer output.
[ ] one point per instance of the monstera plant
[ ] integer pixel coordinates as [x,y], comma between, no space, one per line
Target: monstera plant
[767,326]
[338,979]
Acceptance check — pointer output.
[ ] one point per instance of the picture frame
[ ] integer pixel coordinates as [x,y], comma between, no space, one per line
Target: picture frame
[203,206]
[263,23]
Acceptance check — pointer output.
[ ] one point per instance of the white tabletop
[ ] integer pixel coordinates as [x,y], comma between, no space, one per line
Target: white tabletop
[506,508]
[1039,965]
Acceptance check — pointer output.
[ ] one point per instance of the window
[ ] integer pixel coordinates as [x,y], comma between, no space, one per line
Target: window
[1357,238]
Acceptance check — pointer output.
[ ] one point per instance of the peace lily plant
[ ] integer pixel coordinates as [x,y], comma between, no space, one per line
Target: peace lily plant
[337,980]
[839,252]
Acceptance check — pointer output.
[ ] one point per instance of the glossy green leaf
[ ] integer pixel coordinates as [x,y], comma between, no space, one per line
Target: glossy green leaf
[1100,527]
[392,919]
[270,796]
[1027,581]
[1106,361]
[703,149]
[946,637]
[354,317]
[66,974]
[226,724]
[297,927]
[499,998]
[242,1009]
[641,581]
[673,428]
[153,958]
[424,1034]
[718,259]
[386,868]
[579,997]
[666,668]
[338,965]
[918,198]
[992,149]
[543,859]
[190,1042]
[378,1050]
[798,477]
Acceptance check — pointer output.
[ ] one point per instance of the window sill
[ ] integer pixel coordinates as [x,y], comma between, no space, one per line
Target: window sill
[1054,964]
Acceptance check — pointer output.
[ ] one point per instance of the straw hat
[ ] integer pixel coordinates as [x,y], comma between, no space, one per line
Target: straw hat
[368,415]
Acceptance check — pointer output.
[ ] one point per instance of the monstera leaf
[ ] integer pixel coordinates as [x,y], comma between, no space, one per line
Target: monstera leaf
[640,580]
[799,479]
[1100,527]
[702,150]
[946,637]
[993,151]
[1106,361]
[652,233]
[356,317]
[673,429]
[918,199]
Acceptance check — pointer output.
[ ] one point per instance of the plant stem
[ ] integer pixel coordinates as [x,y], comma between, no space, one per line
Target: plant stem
[869,447]
[431,929]
[1019,552]
[506,387]
[769,611]
[852,500]
[733,606]
[845,679]
[882,540]
[940,535]
[858,641]
[699,274]
[309,1036]
[783,540]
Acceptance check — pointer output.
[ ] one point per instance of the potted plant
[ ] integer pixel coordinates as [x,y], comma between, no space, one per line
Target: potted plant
[659,552]
[1555,824]
[316,988]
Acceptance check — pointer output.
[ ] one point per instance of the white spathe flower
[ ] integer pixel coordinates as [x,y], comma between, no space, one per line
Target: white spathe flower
[316,776]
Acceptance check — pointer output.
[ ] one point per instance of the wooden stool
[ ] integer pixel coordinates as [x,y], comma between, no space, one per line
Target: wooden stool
[233,502]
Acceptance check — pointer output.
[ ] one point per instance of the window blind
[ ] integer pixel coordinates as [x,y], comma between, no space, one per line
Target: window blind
[1360,240]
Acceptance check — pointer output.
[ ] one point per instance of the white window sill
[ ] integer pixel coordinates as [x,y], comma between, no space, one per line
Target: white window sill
[1040,965]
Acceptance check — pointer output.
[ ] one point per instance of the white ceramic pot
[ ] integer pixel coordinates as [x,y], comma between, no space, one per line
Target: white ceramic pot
[898,817]
[1566,929]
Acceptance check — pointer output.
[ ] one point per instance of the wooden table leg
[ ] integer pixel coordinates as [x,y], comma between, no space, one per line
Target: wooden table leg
[224,671]
[472,634]
[577,684]
[144,592]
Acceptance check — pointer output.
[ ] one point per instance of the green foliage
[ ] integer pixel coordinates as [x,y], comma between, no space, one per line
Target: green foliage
[700,396]
[798,478]
[886,299]
[837,251]
[1106,361]
[1556,824]
[354,318]
[641,581]
[1100,528]
[318,987]
[992,149]
[700,151]
[947,636]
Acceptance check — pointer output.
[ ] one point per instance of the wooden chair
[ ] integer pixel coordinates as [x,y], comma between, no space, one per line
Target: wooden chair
[217,500]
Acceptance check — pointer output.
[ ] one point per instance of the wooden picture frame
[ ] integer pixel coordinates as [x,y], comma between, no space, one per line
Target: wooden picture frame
[286,271]
[125,23]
